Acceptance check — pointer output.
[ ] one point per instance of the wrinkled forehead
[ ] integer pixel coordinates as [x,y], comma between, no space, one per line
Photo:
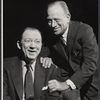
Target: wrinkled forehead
[55,9]
[31,33]
[58,6]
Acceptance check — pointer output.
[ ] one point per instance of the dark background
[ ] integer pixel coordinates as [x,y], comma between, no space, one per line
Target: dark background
[19,14]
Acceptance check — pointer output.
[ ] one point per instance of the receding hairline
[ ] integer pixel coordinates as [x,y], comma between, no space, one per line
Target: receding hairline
[31,29]
[62,4]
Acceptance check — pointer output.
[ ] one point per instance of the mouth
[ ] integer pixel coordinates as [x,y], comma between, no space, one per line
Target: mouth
[55,29]
[32,51]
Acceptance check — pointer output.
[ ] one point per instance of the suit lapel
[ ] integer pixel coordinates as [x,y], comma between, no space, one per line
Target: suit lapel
[60,49]
[39,79]
[16,75]
[70,39]
[73,30]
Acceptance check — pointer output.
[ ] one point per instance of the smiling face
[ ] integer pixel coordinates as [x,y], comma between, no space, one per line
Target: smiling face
[30,43]
[58,20]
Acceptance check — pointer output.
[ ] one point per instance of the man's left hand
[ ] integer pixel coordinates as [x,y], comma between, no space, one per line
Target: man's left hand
[46,62]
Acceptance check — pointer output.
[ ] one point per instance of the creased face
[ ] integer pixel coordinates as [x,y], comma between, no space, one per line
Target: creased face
[57,19]
[31,44]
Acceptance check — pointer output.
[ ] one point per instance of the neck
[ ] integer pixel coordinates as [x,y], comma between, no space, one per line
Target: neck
[27,60]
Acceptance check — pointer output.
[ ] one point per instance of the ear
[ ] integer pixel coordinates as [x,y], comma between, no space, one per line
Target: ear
[68,17]
[18,44]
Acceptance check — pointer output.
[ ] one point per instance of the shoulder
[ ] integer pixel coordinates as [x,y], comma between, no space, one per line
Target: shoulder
[47,70]
[51,70]
[82,30]
[10,59]
[80,25]
[7,62]
[53,67]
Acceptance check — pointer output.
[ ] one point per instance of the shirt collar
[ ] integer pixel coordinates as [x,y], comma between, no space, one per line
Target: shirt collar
[32,65]
[65,34]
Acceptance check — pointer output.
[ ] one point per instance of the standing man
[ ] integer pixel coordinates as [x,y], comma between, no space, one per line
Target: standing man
[74,50]
[24,78]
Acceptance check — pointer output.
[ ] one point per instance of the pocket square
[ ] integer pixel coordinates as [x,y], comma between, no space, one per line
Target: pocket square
[45,88]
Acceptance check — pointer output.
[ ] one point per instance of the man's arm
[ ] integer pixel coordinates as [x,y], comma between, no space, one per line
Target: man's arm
[6,95]
[55,85]
[89,58]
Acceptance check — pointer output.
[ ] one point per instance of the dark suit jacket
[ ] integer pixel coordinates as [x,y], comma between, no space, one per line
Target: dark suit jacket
[12,79]
[82,50]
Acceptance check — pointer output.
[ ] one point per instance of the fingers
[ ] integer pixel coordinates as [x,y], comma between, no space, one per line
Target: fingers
[46,62]
[41,59]
[55,85]
[49,62]
[52,85]
[52,89]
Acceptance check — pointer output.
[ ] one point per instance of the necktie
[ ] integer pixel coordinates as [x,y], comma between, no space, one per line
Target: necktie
[63,41]
[64,44]
[29,89]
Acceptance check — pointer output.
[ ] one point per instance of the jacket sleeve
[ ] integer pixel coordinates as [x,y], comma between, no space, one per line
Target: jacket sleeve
[56,95]
[89,58]
[6,95]
[52,71]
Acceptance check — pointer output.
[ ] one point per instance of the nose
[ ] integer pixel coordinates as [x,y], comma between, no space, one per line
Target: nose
[32,45]
[53,23]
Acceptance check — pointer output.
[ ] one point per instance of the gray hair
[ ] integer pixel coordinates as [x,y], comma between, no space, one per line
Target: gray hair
[62,4]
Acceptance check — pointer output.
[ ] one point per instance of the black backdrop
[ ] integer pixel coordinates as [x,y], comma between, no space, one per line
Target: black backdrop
[17,14]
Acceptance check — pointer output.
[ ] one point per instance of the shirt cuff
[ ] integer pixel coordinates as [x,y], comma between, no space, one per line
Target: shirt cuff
[71,84]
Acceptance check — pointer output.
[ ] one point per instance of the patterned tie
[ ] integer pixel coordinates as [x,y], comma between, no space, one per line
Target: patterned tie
[29,89]
[63,41]
[64,44]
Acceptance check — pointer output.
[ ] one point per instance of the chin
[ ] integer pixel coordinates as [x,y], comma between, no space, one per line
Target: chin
[57,33]
[32,57]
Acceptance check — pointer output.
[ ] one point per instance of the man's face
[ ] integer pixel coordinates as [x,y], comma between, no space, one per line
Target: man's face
[57,19]
[31,44]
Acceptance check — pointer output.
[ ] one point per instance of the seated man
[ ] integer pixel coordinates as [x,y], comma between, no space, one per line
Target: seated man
[24,78]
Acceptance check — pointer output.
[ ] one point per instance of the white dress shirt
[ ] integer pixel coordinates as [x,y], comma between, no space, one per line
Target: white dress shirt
[64,36]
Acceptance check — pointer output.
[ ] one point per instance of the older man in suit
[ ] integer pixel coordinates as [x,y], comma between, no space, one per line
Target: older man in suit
[15,69]
[74,49]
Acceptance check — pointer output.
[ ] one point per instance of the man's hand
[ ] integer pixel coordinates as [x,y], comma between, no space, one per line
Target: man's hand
[46,62]
[55,85]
